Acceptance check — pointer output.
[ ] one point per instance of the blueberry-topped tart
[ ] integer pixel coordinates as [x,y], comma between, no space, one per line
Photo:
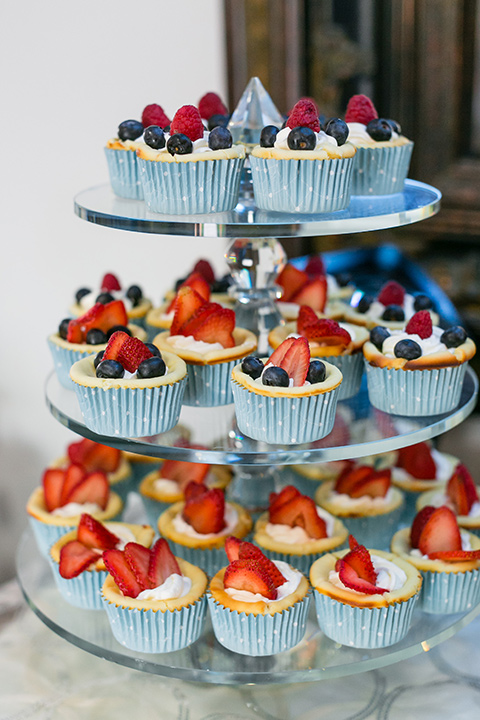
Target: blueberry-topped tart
[110,288]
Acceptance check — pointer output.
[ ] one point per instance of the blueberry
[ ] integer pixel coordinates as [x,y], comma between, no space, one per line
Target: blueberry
[81,293]
[105,298]
[422,302]
[343,278]
[218,121]
[377,336]
[323,121]
[252,366]
[302,138]
[179,144]
[379,129]
[268,136]
[153,349]
[130,130]
[222,284]
[98,359]
[453,336]
[63,328]
[134,294]
[179,282]
[220,138]
[152,367]
[393,312]
[96,337]
[118,328]
[110,369]
[338,129]
[408,349]
[154,137]
[364,304]
[317,372]
[395,126]
[275,377]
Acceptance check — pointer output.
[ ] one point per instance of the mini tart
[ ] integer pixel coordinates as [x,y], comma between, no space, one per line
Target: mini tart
[356,318]
[359,337]
[245,343]
[401,546]
[436,498]
[147,153]
[328,152]
[448,358]
[55,338]
[118,480]
[134,313]
[408,483]
[326,498]
[83,373]
[332,381]
[218,477]
[37,509]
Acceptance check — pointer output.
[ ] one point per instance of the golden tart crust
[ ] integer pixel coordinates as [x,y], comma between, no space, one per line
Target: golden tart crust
[168,530]
[321,568]
[218,477]
[148,153]
[325,498]
[262,607]
[328,152]
[313,547]
[245,343]
[83,373]
[113,594]
[117,144]
[401,546]
[360,336]
[36,508]
[332,380]
[457,356]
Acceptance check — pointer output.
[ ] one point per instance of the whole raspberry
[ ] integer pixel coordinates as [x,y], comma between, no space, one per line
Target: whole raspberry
[211,104]
[392,293]
[360,109]
[420,324]
[187,121]
[110,282]
[154,115]
[304,114]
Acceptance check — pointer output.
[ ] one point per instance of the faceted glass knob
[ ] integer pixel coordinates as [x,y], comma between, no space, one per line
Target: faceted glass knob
[255,109]
[255,263]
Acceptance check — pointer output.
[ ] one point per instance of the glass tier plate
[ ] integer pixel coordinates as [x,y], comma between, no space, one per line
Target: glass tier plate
[417,202]
[359,430]
[315,658]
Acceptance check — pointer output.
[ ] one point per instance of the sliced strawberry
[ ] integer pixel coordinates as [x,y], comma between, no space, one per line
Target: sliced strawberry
[297,361]
[232,547]
[285,495]
[455,555]
[352,542]
[417,461]
[327,332]
[359,559]
[300,511]
[102,317]
[205,269]
[110,283]
[73,475]
[52,482]
[75,558]
[93,534]
[440,533]
[94,488]
[206,512]
[377,485]
[392,293]
[420,324]
[313,294]
[163,563]
[350,477]
[184,472]
[128,351]
[119,568]
[306,317]
[249,551]
[278,355]
[418,524]
[291,279]
[94,456]
[138,557]
[461,490]
[187,302]
[250,575]
[196,281]
[315,266]
[217,327]
[194,490]
[199,318]
[350,579]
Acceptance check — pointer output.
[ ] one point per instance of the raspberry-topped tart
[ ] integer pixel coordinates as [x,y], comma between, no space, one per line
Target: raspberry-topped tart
[197,527]
[130,389]
[136,304]
[447,557]
[212,109]
[78,566]
[155,602]
[296,530]
[383,154]
[190,169]
[461,495]
[417,371]
[286,398]
[339,343]
[205,336]
[303,168]
[364,598]
[309,287]
[258,606]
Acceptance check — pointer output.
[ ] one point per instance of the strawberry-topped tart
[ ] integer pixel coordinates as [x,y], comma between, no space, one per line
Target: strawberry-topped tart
[447,557]
[310,287]
[66,493]
[461,495]
[77,562]
[383,154]
[340,343]
[190,170]
[205,336]
[392,307]
[364,598]
[258,606]
[155,602]
[197,527]
[286,398]
[88,334]
[296,530]
[136,305]
[365,500]
[419,370]
[303,168]
[130,389]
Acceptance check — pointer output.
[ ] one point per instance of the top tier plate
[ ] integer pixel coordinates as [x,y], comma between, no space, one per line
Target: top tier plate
[417,202]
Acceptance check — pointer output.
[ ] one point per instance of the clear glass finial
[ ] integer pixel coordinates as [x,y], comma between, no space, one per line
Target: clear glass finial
[254,110]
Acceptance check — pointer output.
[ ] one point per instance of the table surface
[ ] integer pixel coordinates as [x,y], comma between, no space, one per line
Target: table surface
[43,677]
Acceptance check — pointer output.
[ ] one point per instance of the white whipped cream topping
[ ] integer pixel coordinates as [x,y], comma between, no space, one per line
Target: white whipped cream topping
[292,577]
[358,132]
[175,586]
[466,545]
[124,534]
[361,503]
[322,139]
[73,508]
[444,467]
[294,535]
[88,301]
[376,309]
[389,575]
[199,146]
[429,345]
[188,342]
[230,518]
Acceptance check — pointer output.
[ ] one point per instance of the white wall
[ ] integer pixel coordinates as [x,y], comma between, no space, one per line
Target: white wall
[71,73]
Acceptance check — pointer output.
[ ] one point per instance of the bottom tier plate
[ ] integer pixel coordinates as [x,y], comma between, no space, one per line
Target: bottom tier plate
[315,658]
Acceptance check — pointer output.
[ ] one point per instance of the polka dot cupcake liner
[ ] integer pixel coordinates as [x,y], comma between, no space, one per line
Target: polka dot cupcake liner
[351,367]
[375,530]
[83,591]
[209,385]
[381,171]
[63,359]
[124,173]
[444,593]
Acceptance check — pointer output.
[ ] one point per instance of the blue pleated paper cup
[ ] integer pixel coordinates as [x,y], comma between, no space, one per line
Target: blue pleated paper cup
[124,173]
[83,591]
[47,534]
[64,357]
[415,392]
[351,367]
[380,170]
[209,385]
[190,188]
[258,635]
[363,627]
[301,186]
[453,592]
[210,560]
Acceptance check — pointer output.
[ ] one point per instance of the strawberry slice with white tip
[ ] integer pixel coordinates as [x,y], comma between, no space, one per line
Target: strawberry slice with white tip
[217,328]
[351,579]
[291,280]
[376,485]
[418,524]
[187,302]
[204,508]
[313,294]
[455,555]
[163,563]
[296,361]
[249,551]
[94,456]
[73,475]
[300,511]
[232,547]
[93,534]
[417,461]
[278,355]
[93,488]
[360,560]
[75,558]
[183,472]
[350,476]
[129,351]
[306,317]
[102,317]
[121,571]
[138,557]
[461,490]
